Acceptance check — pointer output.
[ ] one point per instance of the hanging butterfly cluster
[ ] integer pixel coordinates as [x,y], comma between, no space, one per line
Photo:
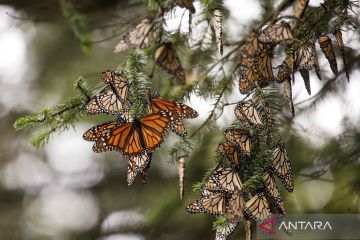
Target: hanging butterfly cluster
[223,193]
[255,66]
[134,137]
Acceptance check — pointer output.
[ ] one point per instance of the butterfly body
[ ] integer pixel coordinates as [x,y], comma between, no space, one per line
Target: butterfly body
[133,138]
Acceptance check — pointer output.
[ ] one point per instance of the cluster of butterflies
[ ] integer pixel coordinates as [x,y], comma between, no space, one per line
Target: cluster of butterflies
[223,193]
[255,67]
[134,137]
[142,35]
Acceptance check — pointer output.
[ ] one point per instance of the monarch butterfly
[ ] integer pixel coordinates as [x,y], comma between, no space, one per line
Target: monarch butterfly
[300,8]
[137,163]
[217,24]
[180,111]
[113,101]
[107,103]
[144,174]
[133,138]
[247,77]
[285,70]
[305,75]
[141,36]
[224,180]
[188,4]
[258,207]
[247,111]
[236,205]
[288,95]
[265,68]
[117,82]
[282,167]
[253,46]
[255,65]
[276,33]
[239,137]
[328,50]
[227,149]
[340,43]
[225,230]
[272,190]
[94,133]
[210,202]
[181,170]
[177,127]
[157,103]
[306,58]
[165,56]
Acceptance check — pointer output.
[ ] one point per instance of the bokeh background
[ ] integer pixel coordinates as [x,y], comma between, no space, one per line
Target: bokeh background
[65,191]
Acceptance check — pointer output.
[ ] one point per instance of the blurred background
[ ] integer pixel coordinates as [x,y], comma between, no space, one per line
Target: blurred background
[65,191]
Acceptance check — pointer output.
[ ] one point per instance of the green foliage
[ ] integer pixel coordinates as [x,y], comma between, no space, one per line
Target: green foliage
[220,221]
[211,5]
[139,82]
[78,24]
[58,118]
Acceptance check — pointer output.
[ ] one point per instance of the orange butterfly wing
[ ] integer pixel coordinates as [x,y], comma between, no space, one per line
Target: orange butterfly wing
[133,138]
[94,133]
[157,103]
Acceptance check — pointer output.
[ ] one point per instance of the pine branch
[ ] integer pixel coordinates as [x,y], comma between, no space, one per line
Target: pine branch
[58,118]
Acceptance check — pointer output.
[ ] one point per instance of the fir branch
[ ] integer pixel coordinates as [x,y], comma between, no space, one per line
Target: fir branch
[58,118]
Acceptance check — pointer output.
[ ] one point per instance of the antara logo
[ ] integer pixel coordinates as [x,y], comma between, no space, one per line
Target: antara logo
[305,225]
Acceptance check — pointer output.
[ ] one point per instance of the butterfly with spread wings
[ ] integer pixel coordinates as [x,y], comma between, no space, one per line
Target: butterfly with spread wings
[329,52]
[155,103]
[166,57]
[282,167]
[113,101]
[258,207]
[133,138]
[247,111]
[141,36]
[239,137]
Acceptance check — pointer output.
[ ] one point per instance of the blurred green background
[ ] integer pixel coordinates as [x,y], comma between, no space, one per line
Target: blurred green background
[65,191]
